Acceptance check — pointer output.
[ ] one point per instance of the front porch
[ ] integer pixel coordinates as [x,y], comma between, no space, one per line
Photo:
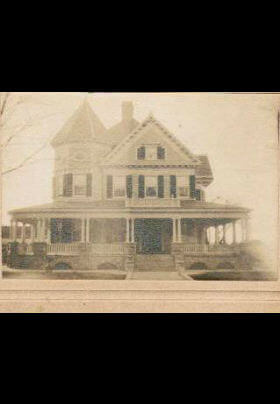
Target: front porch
[98,243]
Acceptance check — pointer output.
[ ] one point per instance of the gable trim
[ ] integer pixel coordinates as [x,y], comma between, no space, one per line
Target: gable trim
[134,134]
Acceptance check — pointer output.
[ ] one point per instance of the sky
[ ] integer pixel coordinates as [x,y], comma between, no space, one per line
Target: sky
[238,132]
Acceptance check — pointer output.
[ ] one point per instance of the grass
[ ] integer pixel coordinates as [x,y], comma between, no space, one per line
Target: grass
[236,276]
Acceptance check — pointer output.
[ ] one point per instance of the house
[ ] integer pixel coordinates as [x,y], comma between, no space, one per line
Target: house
[132,197]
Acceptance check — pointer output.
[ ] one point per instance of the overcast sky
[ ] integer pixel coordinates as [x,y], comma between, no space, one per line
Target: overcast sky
[238,132]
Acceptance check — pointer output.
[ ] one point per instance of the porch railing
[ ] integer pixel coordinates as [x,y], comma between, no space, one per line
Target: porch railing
[212,249]
[157,202]
[107,249]
[63,249]
[77,248]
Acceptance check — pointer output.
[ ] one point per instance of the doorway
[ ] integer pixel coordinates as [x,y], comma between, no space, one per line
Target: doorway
[153,236]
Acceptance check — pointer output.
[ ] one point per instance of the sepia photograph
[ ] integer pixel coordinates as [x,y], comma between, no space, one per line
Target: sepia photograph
[131,187]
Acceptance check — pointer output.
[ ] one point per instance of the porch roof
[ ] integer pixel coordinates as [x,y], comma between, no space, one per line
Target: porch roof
[186,206]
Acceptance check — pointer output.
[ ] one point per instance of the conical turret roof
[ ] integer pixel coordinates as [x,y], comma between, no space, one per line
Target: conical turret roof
[82,127]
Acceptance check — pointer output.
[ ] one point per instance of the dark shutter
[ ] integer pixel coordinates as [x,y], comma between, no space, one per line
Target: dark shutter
[54,187]
[67,184]
[160,186]
[141,186]
[109,186]
[173,188]
[89,184]
[129,186]
[192,186]
[141,153]
[160,153]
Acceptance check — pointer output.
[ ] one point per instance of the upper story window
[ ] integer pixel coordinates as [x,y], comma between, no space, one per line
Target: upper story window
[119,186]
[151,185]
[80,184]
[151,152]
[59,185]
[183,186]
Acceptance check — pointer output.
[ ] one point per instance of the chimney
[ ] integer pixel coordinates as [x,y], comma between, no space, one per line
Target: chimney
[127,110]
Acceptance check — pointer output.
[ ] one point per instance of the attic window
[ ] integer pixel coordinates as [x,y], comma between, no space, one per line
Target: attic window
[141,153]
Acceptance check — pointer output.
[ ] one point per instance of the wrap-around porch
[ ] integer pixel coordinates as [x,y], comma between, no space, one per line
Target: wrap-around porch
[150,235]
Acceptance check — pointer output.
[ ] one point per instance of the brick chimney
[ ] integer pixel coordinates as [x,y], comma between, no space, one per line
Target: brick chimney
[127,111]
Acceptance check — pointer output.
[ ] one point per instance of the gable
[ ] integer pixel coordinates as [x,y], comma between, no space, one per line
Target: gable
[151,132]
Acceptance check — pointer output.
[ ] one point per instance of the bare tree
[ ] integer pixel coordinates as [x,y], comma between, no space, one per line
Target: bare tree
[9,103]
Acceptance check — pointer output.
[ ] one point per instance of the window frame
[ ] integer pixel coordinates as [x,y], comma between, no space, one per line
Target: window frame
[124,186]
[156,186]
[84,195]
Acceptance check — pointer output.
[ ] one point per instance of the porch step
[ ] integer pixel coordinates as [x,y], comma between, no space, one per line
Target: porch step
[154,262]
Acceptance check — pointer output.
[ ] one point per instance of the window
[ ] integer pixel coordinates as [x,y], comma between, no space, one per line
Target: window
[151,152]
[59,185]
[80,185]
[119,186]
[160,153]
[183,188]
[141,152]
[151,186]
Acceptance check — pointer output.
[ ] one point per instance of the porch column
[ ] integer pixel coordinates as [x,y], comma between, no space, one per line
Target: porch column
[16,227]
[83,231]
[179,230]
[127,230]
[32,232]
[247,229]
[216,234]
[23,232]
[42,232]
[87,230]
[132,231]
[12,235]
[234,232]
[48,224]
[224,233]
[174,230]
[204,235]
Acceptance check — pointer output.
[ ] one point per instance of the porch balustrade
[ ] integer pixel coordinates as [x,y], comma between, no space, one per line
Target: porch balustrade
[107,249]
[212,249]
[157,202]
[63,249]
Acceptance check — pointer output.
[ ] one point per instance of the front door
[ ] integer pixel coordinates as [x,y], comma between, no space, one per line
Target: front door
[151,236]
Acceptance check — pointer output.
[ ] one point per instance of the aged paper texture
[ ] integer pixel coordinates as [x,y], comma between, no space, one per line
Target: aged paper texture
[140,202]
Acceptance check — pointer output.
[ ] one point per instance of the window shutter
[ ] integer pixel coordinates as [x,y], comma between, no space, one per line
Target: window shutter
[198,194]
[141,153]
[109,186]
[54,187]
[192,186]
[89,184]
[173,187]
[160,153]
[141,186]
[67,184]
[129,186]
[160,186]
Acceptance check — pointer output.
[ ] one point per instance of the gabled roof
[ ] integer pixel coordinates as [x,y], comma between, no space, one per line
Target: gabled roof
[119,131]
[83,126]
[132,136]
